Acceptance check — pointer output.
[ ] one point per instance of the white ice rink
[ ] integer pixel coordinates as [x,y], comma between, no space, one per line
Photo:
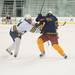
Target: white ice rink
[28,61]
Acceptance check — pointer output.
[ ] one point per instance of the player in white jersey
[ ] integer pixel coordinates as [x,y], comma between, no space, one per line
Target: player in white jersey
[16,33]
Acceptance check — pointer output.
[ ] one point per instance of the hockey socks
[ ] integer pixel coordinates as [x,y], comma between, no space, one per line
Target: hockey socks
[59,50]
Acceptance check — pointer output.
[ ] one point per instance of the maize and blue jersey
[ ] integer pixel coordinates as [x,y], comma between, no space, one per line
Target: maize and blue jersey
[50,27]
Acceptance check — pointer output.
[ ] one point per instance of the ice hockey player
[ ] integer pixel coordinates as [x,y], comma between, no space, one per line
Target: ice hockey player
[49,33]
[16,33]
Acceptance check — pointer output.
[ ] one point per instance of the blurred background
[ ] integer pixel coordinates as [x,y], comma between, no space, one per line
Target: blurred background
[18,8]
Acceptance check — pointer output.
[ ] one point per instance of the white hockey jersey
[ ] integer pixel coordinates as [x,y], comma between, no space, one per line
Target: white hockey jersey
[24,26]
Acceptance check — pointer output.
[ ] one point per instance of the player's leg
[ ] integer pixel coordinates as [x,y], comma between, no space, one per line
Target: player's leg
[41,46]
[17,45]
[12,46]
[59,50]
[55,45]
[40,43]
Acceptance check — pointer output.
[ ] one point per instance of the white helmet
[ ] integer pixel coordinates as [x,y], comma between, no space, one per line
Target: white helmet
[27,17]
[50,12]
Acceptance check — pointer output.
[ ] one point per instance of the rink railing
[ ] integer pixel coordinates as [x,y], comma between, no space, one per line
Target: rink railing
[61,20]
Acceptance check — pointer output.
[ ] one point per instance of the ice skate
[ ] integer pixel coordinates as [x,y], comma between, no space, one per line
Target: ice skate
[42,54]
[65,56]
[9,52]
[15,55]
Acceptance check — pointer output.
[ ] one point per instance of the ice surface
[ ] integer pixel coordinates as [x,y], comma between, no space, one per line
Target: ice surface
[28,61]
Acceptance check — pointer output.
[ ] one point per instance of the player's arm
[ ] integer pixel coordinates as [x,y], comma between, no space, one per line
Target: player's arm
[19,34]
[14,28]
[34,28]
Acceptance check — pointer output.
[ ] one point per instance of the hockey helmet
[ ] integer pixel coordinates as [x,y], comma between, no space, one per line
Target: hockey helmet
[28,17]
[50,12]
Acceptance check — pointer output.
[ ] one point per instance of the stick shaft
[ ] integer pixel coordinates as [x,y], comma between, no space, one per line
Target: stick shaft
[42,6]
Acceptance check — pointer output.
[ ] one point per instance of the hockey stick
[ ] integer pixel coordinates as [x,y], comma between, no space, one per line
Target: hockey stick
[64,23]
[42,6]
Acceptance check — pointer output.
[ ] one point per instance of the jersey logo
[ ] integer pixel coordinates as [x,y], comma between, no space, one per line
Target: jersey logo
[48,19]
